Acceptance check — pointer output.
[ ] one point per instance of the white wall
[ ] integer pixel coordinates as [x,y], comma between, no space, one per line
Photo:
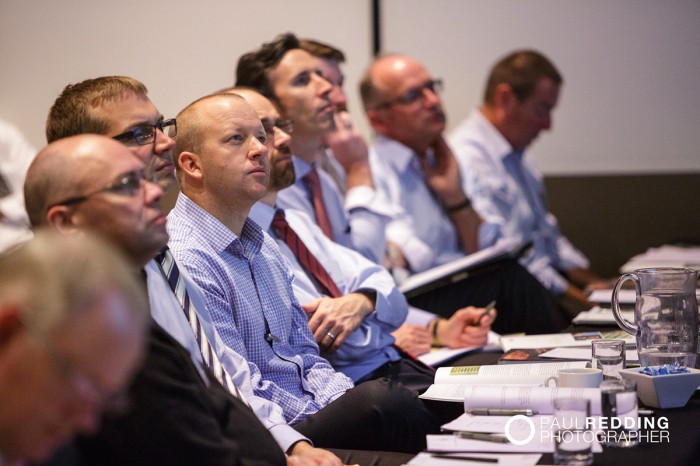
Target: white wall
[181,49]
[630,104]
[631,97]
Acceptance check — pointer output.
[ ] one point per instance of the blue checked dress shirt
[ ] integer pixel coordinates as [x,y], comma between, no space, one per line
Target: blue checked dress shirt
[247,287]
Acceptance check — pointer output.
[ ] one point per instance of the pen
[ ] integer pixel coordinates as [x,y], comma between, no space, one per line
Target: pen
[487,309]
[477,459]
[501,412]
[485,436]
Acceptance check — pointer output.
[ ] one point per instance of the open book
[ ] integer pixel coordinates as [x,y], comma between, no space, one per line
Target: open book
[451,383]
[460,269]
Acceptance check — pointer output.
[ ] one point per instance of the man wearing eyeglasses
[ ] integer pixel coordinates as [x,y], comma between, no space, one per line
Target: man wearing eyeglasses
[73,321]
[118,107]
[436,223]
[180,413]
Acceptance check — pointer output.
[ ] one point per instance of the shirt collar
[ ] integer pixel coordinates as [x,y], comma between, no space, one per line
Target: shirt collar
[301,168]
[218,236]
[262,214]
[401,157]
[494,140]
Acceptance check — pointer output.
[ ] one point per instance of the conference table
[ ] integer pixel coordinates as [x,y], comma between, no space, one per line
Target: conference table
[682,449]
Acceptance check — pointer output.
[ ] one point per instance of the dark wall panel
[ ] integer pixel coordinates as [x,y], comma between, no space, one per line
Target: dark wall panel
[612,218]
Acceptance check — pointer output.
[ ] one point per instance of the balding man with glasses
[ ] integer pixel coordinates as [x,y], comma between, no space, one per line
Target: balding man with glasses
[436,223]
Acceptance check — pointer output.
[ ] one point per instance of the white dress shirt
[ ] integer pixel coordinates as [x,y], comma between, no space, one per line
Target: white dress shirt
[369,347]
[358,219]
[421,228]
[16,154]
[506,189]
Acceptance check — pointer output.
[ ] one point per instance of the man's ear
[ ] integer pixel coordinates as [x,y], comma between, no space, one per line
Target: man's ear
[503,96]
[376,119]
[60,217]
[191,164]
[10,322]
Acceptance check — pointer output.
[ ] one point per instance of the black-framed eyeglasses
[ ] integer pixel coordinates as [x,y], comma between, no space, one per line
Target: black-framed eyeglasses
[285,125]
[128,184]
[110,401]
[146,134]
[414,94]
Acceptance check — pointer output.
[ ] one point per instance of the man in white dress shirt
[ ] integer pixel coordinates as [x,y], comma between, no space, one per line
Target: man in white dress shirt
[437,222]
[521,93]
[292,78]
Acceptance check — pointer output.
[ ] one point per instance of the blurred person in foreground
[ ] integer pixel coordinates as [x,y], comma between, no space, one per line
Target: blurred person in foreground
[72,332]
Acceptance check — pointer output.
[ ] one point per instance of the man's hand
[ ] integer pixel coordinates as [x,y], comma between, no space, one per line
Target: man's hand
[334,319]
[413,339]
[465,328]
[445,180]
[304,454]
[444,177]
[350,150]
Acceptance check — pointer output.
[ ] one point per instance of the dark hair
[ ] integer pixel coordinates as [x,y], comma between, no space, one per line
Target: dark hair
[254,67]
[521,70]
[322,50]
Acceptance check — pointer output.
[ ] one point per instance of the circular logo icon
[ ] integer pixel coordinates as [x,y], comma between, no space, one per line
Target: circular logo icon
[529,437]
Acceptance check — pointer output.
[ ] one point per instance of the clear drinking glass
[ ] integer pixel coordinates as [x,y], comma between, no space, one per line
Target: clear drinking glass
[609,356]
[573,440]
[620,412]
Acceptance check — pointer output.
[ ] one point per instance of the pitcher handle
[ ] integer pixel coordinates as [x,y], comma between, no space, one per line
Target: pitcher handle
[624,324]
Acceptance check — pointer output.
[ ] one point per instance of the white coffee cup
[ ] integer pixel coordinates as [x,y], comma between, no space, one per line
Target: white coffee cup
[579,377]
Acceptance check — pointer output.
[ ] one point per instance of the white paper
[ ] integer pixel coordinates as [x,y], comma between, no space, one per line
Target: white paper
[501,248]
[600,316]
[438,355]
[427,459]
[452,443]
[664,256]
[538,398]
[487,424]
[605,296]
[585,354]
[521,374]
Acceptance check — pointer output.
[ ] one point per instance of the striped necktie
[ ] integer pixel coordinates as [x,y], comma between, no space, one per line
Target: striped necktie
[313,182]
[172,273]
[308,262]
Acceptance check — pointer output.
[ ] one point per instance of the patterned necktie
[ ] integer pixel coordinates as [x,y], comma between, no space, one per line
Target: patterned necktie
[172,273]
[314,184]
[309,263]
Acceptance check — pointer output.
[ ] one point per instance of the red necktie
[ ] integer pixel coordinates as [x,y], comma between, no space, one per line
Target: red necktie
[314,183]
[307,260]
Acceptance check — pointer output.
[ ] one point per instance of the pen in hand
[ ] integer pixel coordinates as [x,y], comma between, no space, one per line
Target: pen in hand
[487,309]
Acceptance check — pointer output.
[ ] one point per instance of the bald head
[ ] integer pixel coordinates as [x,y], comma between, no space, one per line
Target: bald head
[192,122]
[401,101]
[64,169]
[222,156]
[91,183]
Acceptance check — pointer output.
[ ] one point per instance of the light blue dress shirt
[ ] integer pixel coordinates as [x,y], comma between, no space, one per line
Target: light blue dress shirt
[420,227]
[507,190]
[369,347]
[358,218]
[247,289]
